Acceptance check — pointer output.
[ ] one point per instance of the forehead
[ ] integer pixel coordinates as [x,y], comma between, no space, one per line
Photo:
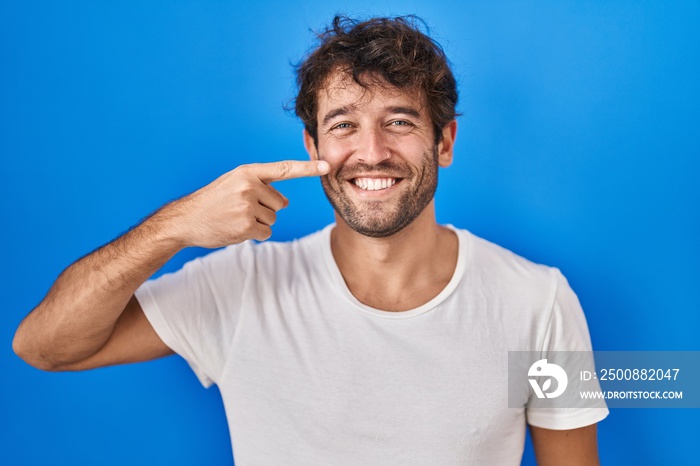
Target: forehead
[340,89]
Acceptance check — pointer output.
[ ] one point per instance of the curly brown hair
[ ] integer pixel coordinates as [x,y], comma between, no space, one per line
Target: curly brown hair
[394,49]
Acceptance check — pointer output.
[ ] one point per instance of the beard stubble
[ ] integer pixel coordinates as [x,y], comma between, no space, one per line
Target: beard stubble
[374,218]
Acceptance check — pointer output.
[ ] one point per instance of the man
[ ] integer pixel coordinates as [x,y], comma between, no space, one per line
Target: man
[378,340]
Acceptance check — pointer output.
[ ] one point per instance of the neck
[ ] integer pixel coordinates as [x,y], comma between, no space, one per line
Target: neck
[398,272]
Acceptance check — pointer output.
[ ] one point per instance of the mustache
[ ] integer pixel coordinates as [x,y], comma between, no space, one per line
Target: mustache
[385,167]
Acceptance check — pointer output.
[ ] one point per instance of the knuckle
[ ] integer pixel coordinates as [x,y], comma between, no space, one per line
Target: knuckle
[246,172]
[249,211]
[265,233]
[246,190]
[249,222]
[276,204]
[241,170]
[245,183]
[284,168]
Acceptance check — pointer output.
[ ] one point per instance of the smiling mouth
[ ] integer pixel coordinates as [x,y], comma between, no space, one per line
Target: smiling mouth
[375,184]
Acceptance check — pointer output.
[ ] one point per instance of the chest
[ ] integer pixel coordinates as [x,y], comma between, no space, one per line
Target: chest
[326,384]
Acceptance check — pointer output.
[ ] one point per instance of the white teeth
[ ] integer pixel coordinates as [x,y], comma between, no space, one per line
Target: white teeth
[374,184]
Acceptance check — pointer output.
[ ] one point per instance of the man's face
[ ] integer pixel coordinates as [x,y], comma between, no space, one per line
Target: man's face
[381,148]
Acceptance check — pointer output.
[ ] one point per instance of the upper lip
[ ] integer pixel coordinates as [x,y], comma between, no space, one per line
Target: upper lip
[374,176]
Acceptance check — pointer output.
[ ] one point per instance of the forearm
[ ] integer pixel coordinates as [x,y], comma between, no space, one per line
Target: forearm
[78,314]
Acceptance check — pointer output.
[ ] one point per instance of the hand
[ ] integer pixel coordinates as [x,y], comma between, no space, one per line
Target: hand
[237,206]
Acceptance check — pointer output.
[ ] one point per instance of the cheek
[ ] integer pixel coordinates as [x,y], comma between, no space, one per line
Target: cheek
[334,152]
[405,148]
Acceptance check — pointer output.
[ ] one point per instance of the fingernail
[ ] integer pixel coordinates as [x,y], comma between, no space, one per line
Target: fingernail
[323,166]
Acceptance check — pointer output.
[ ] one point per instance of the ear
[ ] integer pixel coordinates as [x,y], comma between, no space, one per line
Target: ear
[310,145]
[446,145]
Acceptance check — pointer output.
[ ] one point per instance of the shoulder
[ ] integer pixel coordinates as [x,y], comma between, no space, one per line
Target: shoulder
[501,274]
[484,255]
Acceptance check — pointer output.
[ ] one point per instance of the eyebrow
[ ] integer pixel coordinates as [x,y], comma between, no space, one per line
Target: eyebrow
[336,112]
[405,110]
[347,109]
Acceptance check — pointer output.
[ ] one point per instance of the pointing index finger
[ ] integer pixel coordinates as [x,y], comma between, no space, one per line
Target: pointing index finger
[288,169]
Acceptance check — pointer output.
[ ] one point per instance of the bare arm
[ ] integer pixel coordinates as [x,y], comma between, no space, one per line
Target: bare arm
[81,310]
[574,447]
[89,318]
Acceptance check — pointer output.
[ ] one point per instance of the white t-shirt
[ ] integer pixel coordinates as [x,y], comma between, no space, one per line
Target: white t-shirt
[311,376]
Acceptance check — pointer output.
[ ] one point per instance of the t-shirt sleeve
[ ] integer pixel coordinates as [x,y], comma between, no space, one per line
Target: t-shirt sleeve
[566,330]
[195,311]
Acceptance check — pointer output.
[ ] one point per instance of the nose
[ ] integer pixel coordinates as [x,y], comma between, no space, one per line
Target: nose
[372,147]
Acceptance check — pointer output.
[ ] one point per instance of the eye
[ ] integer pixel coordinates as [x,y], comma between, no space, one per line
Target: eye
[400,125]
[341,126]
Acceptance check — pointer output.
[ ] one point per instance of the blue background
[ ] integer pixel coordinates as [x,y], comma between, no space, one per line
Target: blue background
[578,148]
